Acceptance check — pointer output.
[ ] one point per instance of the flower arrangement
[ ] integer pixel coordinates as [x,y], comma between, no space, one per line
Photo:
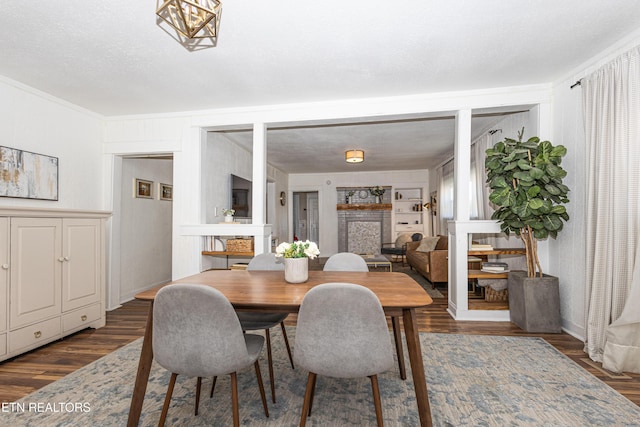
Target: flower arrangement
[297,250]
[228,212]
[377,191]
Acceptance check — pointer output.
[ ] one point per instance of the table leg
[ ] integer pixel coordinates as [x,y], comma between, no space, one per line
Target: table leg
[397,335]
[144,368]
[417,368]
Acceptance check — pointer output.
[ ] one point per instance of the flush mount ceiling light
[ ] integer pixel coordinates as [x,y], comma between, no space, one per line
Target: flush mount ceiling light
[354,156]
[193,19]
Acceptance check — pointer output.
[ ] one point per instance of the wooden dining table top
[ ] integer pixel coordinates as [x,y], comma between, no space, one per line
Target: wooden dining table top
[267,290]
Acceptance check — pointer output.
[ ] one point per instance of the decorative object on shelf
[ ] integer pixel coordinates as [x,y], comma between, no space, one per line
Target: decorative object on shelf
[192,19]
[354,156]
[165,192]
[28,175]
[143,189]
[377,192]
[228,214]
[239,245]
[283,198]
[350,196]
[296,259]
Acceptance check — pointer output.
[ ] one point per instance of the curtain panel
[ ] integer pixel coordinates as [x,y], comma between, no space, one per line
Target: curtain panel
[611,105]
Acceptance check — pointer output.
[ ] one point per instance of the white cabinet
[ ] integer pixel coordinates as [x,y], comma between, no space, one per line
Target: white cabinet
[52,277]
[36,270]
[408,210]
[4,283]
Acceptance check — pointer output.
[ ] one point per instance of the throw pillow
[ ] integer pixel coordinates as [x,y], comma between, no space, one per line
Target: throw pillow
[427,244]
[402,240]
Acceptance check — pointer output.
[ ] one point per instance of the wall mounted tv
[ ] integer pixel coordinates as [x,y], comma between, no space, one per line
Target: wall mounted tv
[241,196]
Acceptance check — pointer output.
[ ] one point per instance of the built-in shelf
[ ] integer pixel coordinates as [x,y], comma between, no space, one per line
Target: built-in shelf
[364,207]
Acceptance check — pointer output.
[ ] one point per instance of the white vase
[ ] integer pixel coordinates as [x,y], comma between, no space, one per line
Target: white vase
[228,218]
[378,199]
[296,270]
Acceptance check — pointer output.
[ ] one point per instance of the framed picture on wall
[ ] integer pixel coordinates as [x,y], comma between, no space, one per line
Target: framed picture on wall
[143,189]
[28,175]
[165,192]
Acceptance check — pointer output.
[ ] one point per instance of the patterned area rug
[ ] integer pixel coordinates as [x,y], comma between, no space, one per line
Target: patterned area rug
[473,380]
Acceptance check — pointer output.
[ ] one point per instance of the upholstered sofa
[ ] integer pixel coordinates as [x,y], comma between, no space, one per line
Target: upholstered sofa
[432,264]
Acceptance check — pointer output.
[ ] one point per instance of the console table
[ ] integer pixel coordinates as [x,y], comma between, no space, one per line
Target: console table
[227,254]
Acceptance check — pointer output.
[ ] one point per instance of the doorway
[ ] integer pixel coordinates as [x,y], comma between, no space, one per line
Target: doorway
[306,223]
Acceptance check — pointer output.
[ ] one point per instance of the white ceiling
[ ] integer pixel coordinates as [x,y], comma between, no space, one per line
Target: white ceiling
[111,57]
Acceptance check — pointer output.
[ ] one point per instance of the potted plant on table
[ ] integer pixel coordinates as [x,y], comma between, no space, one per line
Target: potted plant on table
[525,178]
[228,214]
[296,259]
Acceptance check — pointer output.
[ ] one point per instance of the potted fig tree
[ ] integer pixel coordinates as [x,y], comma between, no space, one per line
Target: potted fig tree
[525,178]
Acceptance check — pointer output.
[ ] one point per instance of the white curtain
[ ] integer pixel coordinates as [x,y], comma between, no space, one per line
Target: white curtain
[611,103]
[480,207]
[446,193]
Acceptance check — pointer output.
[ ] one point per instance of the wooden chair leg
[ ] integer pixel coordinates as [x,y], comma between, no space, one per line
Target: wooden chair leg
[397,335]
[286,341]
[198,385]
[263,396]
[376,399]
[313,393]
[167,400]
[213,386]
[307,398]
[234,400]
[270,360]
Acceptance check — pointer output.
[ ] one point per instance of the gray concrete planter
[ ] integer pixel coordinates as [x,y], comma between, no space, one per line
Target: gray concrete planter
[534,302]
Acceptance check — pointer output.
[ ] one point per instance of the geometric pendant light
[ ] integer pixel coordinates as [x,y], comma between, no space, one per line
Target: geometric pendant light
[193,19]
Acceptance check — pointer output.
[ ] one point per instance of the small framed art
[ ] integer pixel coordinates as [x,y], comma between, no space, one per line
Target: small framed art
[165,192]
[143,189]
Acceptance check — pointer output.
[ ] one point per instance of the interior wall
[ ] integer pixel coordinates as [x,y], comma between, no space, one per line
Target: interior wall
[33,121]
[326,184]
[145,224]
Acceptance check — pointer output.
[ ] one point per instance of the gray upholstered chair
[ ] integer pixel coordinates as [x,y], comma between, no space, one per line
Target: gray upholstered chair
[342,333]
[345,261]
[196,332]
[252,321]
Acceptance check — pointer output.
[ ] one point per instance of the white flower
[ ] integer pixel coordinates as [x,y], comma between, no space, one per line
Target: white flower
[297,249]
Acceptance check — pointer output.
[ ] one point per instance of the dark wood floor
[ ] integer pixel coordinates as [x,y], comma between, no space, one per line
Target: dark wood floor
[29,372]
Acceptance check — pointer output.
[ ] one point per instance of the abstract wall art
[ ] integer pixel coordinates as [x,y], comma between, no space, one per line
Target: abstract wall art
[28,175]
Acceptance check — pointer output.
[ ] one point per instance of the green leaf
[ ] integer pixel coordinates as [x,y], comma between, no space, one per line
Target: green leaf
[552,189]
[502,197]
[535,203]
[551,222]
[536,173]
[558,209]
[524,165]
[533,191]
[559,151]
[524,176]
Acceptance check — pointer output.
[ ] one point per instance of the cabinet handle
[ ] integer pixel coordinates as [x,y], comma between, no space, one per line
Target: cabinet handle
[5,266]
[61,259]
[83,317]
[37,334]
[66,258]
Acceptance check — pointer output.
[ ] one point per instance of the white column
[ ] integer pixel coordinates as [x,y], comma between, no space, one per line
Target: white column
[458,296]
[259,198]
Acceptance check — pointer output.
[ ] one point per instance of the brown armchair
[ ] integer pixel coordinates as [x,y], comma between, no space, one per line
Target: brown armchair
[433,264]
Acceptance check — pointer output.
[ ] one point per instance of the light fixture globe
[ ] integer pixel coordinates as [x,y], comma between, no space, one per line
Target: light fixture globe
[354,156]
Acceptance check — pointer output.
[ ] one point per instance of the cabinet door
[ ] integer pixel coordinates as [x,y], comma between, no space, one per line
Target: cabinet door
[35,273]
[4,273]
[81,266]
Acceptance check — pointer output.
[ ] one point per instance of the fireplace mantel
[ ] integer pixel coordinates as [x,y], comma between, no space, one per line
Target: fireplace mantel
[364,207]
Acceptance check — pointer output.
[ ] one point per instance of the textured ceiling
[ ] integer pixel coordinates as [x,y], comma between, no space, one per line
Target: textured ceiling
[112,58]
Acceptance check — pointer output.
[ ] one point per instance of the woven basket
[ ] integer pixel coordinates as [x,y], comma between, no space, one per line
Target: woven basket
[240,245]
[491,295]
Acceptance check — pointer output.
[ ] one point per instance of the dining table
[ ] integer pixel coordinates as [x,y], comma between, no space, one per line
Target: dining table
[268,291]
